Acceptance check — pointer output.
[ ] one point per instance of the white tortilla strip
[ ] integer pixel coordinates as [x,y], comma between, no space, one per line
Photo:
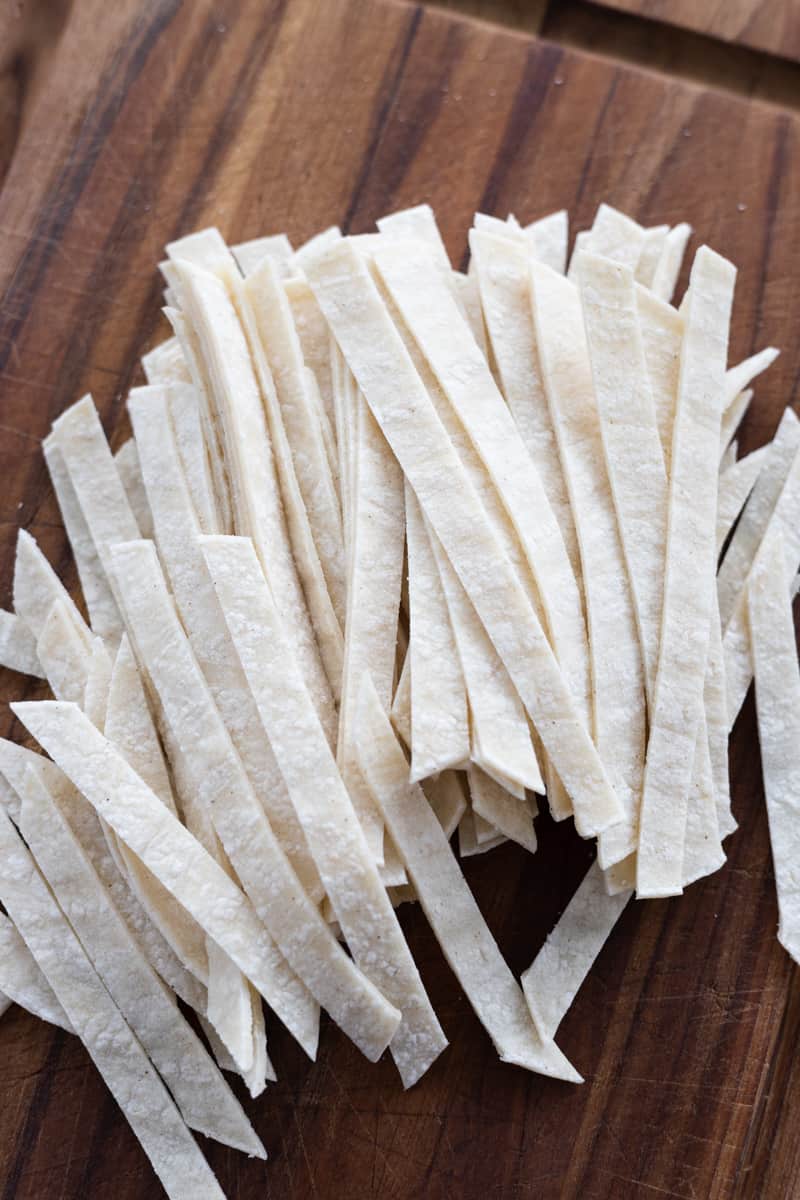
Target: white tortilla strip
[702,848]
[177,532]
[63,655]
[618,677]
[187,424]
[450,503]
[22,981]
[581,243]
[739,378]
[468,298]
[767,488]
[115,1050]
[18,646]
[326,429]
[732,419]
[439,718]
[326,237]
[100,603]
[669,264]
[468,844]
[36,587]
[729,456]
[230,1008]
[98,682]
[312,330]
[784,520]
[662,333]
[250,462]
[341,392]
[277,248]
[417,223]
[655,238]
[717,723]
[401,704]
[689,579]
[502,269]
[552,980]
[735,485]
[549,238]
[778,708]
[223,788]
[127,461]
[204,1099]
[447,799]
[446,900]
[343,858]
[174,856]
[165,363]
[505,812]
[614,235]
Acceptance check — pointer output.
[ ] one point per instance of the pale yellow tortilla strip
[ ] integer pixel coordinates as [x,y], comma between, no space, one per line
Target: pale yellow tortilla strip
[18,646]
[22,981]
[739,378]
[735,485]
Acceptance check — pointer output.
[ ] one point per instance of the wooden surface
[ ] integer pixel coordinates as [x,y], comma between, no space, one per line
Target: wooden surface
[771,25]
[159,118]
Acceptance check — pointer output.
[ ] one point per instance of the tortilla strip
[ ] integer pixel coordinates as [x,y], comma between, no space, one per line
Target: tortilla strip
[392,387]
[127,461]
[618,676]
[277,248]
[757,512]
[343,858]
[732,419]
[165,363]
[502,269]
[319,241]
[18,646]
[36,587]
[439,718]
[669,264]
[418,223]
[445,795]
[63,655]
[662,333]
[652,248]
[735,485]
[505,812]
[177,532]
[778,708]
[312,330]
[614,235]
[184,411]
[446,900]
[223,788]
[689,578]
[739,378]
[468,844]
[102,607]
[116,1052]
[205,1101]
[23,982]
[401,705]
[729,456]
[548,238]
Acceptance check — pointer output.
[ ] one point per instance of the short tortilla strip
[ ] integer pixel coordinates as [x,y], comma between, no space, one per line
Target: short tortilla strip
[205,1101]
[655,238]
[689,578]
[732,419]
[18,646]
[63,654]
[326,237]
[343,858]
[36,587]
[277,248]
[22,981]
[549,239]
[662,332]
[614,235]
[735,485]
[553,979]
[390,383]
[670,262]
[223,788]
[447,901]
[417,223]
[505,812]
[127,462]
[778,707]
[739,378]
[93,1015]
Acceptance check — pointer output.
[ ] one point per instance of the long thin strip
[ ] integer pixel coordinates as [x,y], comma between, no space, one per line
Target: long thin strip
[36,587]
[446,900]
[613,235]
[652,247]
[250,255]
[347,868]
[689,578]
[669,265]
[205,1101]
[778,708]
[165,363]
[738,378]
[662,332]
[126,460]
[184,409]
[401,704]
[223,788]
[117,1054]
[312,330]
[732,419]
[22,981]
[549,238]
[64,656]
[18,646]
[393,389]
[735,485]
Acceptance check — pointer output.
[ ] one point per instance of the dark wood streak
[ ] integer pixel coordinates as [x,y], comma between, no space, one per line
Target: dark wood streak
[34,1115]
[776,176]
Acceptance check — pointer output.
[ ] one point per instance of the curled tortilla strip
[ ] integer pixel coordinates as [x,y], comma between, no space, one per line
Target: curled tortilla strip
[735,485]
[739,378]
[18,646]
[499,808]
[669,264]
[662,332]
[446,900]
[22,981]
[36,587]
[116,1052]
[130,472]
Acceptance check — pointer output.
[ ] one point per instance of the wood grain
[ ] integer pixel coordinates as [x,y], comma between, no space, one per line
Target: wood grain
[258,116]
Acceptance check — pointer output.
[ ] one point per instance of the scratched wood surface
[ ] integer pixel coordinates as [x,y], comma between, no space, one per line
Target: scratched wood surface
[160,118]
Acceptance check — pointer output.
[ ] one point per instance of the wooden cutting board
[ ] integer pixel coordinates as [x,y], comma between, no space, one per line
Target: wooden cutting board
[771,25]
[260,116]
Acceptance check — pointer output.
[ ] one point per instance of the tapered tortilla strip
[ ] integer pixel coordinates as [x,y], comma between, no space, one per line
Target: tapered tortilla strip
[393,389]
[729,457]
[165,363]
[669,264]
[739,378]
[755,517]
[312,330]
[18,646]
[468,844]
[652,247]
[343,858]
[616,236]
[130,472]
[184,411]
[204,1099]
[662,331]
[277,248]
[618,677]
[22,981]
[417,223]
[64,656]
[401,704]
[505,812]
[325,237]
[439,718]
[223,788]
[548,238]
[447,901]
[689,578]
[446,797]
[778,708]
[36,587]
[732,419]
[735,485]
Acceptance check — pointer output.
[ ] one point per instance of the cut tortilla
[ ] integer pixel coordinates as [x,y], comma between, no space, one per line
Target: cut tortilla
[390,383]
[689,579]
[767,487]
[346,866]
[173,855]
[739,378]
[37,587]
[98,681]
[130,472]
[735,485]
[187,424]
[204,1099]
[22,981]
[613,235]
[468,844]
[326,237]
[401,704]
[64,656]
[505,812]
[669,264]
[417,223]
[447,799]
[446,900]
[662,332]
[277,248]
[18,646]
[652,248]
[618,677]
[717,723]
[312,330]
[549,239]
[729,457]
[116,1052]
[468,298]
[222,787]
[165,363]
[778,707]
[438,716]
[553,979]
[732,419]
